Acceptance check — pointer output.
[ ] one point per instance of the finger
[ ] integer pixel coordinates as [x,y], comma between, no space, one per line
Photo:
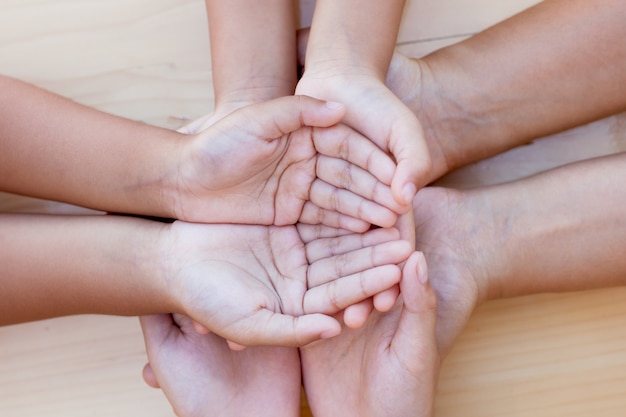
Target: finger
[235,346]
[356,315]
[409,148]
[336,295]
[348,176]
[385,300]
[416,328]
[312,232]
[275,118]
[314,214]
[149,377]
[335,267]
[200,329]
[321,248]
[342,142]
[274,329]
[331,199]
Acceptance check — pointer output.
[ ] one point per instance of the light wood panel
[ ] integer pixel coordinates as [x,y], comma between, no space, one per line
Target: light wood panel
[540,356]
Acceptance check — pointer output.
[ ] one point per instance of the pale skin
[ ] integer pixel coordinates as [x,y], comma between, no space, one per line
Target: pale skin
[462,127]
[562,230]
[470,112]
[201,376]
[253,54]
[250,284]
[253,51]
[190,369]
[468,260]
[140,169]
[347,58]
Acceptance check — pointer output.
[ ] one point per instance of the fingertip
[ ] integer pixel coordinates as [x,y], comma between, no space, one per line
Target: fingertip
[235,346]
[199,328]
[355,316]
[384,301]
[408,193]
[149,377]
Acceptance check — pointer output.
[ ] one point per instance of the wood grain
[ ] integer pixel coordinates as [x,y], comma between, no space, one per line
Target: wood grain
[540,356]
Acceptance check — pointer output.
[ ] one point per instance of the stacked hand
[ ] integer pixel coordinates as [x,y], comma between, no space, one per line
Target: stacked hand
[276,163]
[280,162]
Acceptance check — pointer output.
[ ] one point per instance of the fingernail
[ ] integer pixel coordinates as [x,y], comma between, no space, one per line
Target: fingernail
[422,273]
[408,192]
[334,105]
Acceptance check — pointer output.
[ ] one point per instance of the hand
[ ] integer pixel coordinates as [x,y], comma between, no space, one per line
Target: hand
[387,368]
[201,376]
[458,251]
[374,111]
[281,162]
[253,285]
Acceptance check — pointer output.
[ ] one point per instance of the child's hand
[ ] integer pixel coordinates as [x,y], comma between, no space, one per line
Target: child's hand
[374,111]
[253,285]
[201,376]
[280,162]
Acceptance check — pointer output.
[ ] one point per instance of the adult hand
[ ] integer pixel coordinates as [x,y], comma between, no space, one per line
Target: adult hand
[201,376]
[389,367]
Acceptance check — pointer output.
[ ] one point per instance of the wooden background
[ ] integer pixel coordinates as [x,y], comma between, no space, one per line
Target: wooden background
[547,355]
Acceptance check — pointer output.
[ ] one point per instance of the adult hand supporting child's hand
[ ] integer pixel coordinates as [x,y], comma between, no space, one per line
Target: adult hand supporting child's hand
[280,162]
[389,367]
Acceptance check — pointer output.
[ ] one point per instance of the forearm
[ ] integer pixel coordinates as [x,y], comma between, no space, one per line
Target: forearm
[57,149]
[563,230]
[353,35]
[253,49]
[61,265]
[555,66]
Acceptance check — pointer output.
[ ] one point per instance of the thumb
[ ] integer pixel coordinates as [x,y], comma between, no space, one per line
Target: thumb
[282,329]
[413,162]
[415,336]
[278,117]
[156,329]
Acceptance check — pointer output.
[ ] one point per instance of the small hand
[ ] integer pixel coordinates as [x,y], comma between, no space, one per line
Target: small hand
[254,286]
[389,367]
[201,376]
[280,162]
[374,111]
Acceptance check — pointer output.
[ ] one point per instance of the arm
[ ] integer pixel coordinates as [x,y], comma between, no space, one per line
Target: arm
[552,67]
[63,265]
[253,51]
[56,149]
[558,231]
[354,36]
[247,283]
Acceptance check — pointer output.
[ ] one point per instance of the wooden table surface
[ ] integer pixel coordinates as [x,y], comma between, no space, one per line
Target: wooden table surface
[546,355]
